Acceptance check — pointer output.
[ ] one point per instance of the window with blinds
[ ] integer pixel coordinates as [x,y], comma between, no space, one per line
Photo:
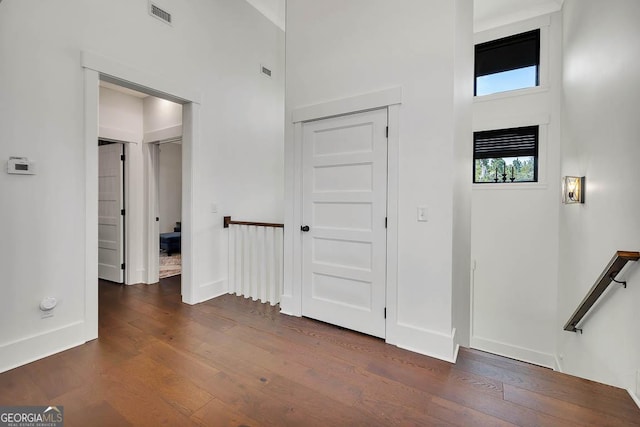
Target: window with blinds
[506,155]
[507,64]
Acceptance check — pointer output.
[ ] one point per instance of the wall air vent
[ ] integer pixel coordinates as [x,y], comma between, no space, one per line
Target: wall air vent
[160,14]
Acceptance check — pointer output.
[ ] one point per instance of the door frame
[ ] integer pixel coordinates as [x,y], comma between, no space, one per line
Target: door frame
[151,159]
[125,205]
[126,226]
[96,68]
[291,299]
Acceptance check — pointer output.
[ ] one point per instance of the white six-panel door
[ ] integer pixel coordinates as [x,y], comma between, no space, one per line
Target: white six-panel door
[344,168]
[110,220]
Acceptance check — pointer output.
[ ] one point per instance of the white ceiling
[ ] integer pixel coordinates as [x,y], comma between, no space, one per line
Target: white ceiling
[487,13]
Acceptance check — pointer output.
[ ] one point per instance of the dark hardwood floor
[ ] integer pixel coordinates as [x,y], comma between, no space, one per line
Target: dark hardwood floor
[232,361]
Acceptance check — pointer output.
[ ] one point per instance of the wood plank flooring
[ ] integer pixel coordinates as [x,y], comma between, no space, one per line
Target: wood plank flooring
[235,362]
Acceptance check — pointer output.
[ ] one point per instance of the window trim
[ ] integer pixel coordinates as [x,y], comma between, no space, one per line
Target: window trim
[543,121]
[536,157]
[510,94]
[529,39]
[543,23]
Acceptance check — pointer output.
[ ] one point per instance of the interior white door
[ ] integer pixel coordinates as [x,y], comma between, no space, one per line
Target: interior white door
[110,219]
[344,172]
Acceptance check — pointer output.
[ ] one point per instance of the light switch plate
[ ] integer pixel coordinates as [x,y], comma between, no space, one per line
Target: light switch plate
[422,213]
[214,208]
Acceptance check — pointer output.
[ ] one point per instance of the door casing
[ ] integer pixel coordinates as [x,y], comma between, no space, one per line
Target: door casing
[98,68]
[291,300]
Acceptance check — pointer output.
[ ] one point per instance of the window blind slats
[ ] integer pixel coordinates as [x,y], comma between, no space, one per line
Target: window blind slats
[515,142]
[509,53]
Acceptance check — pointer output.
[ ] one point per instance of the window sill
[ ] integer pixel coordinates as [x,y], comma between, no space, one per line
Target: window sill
[511,94]
[511,186]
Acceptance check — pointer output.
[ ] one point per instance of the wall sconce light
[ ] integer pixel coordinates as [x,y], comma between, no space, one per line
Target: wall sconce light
[573,189]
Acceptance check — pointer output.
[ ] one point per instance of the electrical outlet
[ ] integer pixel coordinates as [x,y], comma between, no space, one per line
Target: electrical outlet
[638,382]
[47,306]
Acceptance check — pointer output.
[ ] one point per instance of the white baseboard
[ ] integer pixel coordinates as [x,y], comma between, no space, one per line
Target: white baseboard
[35,347]
[138,276]
[430,343]
[288,307]
[271,303]
[515,352]
[634,397]
[455,353]
[423,341]
[212,290]
[141,273]
[558,366]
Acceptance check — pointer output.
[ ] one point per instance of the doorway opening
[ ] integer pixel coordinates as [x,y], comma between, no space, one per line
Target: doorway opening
[169,179]
[140,151]
[99,69]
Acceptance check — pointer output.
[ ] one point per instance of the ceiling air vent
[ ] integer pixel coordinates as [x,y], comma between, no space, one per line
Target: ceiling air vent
[160,14]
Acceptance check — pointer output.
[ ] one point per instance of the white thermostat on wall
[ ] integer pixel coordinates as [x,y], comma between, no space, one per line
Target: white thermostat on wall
[20,166]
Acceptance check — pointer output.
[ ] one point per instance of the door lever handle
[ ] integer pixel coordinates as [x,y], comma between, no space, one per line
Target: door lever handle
[304,228]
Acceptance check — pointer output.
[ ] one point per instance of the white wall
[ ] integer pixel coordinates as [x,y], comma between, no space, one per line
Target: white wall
[514,227]
[170,197]
[272,9]
[600,141]
[338,49]
[490,14]
[120,116]
[463,149]
[162,119]
[214,46]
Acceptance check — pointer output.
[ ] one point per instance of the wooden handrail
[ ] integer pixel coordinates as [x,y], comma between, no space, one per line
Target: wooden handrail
[228,221]
[619,260]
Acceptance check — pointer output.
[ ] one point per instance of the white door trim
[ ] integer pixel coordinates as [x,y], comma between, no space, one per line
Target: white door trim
[393,172]
[291,300]
[353,104]
[131,78]
[150,153]
[96,68]
[91,99]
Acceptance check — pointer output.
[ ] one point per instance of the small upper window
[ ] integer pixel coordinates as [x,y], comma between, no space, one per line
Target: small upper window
[506,155]
[508,64]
